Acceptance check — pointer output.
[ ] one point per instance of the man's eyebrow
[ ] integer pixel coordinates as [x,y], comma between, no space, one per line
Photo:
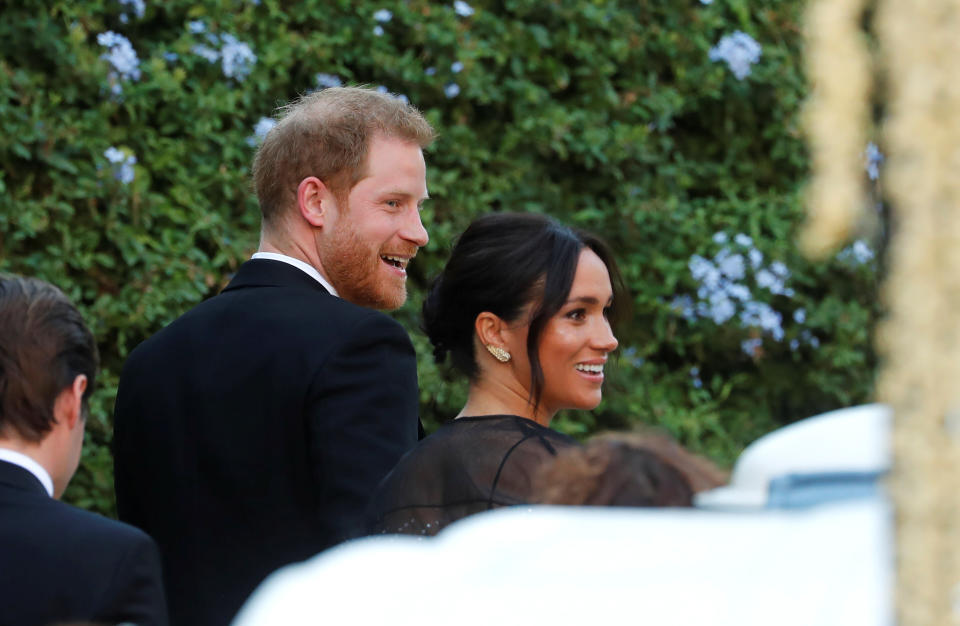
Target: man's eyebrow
[406,194]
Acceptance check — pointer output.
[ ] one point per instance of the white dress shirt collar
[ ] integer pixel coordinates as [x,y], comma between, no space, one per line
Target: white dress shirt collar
[300,265]
[22,460]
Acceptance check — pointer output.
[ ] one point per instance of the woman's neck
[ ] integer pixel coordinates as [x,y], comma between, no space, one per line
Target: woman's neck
[494,398]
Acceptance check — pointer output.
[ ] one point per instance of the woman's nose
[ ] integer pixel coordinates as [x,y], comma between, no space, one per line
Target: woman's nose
[604,339]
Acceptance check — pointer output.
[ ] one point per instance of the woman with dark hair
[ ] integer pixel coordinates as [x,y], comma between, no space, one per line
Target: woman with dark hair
[524,309]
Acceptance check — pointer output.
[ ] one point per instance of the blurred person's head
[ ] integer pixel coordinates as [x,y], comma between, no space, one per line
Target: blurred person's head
[625,469]
[48,367]
[524,307]
[340,180]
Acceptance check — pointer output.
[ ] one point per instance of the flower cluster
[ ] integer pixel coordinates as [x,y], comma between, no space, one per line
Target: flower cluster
[857,253]
[399,96]
[739,51]
[138,7]
[381,17]
[122,164]
[462,9]
[724,294]
[236,57]
[263,126]
[328,80]
[122,58]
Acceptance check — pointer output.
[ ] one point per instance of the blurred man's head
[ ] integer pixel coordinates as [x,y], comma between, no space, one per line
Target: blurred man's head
[48,366]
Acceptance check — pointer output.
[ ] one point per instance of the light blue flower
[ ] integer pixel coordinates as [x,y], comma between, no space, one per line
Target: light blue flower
[383,16]
[768,280]
[430,71]
[695,377]
[762,315]
[114,155]
[739,292]
[196,26]
[211,55]
[862,252]
[684,304]
[237,59]
[122,164]
[731,265]
[457,67]
[138,7]
[630,353]
[120,54]
[719,237]
[812,340]
[264,126]
[706,1]
[857,253]
[739,51]
[780,269]
[378,30]
[172,57]
[704,271]
[794,344]
[873,159]
[462,9]
[743,240]
[722,307]
[452,90]
[756,258]
[328,80]
[800,316]
[751,346]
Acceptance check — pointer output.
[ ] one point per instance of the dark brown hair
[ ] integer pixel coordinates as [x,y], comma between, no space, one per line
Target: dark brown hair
[625,469]
[501,263]
[327,134]
[44,346]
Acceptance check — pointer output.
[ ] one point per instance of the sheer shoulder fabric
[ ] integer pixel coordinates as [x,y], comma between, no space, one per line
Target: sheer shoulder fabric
[470,465]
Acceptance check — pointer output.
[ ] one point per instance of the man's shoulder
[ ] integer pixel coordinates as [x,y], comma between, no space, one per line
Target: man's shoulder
[94,529]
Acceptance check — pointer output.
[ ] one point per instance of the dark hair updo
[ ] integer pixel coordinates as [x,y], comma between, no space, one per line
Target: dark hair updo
[502,262]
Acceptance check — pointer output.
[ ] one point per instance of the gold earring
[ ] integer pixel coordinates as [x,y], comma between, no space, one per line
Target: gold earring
[498,353]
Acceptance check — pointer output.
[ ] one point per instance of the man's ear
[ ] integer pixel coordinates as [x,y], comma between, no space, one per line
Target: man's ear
[313,198]
[68,407]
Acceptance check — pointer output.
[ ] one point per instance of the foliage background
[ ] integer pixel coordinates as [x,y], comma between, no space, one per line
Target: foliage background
[606,115]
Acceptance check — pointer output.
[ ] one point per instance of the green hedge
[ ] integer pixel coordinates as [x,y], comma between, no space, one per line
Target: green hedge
[607,115]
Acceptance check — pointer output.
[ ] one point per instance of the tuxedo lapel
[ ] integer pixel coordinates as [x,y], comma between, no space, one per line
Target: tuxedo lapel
[19,478]
[270,273]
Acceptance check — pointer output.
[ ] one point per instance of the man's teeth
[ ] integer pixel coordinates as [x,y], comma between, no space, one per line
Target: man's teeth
[395,260]
[591,369]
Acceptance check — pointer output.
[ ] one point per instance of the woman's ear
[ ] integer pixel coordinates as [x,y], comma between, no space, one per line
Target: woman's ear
[490,330]
[488,326]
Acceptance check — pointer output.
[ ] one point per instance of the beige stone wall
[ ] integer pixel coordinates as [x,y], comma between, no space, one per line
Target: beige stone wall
[919,55]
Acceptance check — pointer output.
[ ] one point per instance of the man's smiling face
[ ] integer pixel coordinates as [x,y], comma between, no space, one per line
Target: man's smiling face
[371,239]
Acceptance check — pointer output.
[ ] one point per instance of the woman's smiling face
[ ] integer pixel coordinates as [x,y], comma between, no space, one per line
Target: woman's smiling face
[574,343]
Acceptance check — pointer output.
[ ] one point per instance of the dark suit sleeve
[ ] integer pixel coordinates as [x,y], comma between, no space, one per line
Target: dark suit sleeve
[136,592]
[362,418]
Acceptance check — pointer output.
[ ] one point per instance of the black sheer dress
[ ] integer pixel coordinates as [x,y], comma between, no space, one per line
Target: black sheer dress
[469,465]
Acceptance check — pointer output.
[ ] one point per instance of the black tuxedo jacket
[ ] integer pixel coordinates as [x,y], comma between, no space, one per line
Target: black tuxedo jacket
[61,564]
[251,432]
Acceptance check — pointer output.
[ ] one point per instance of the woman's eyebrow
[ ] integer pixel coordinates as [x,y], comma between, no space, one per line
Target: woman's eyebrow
[588,300]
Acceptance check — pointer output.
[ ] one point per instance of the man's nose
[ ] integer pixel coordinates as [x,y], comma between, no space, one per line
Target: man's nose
[413,230]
